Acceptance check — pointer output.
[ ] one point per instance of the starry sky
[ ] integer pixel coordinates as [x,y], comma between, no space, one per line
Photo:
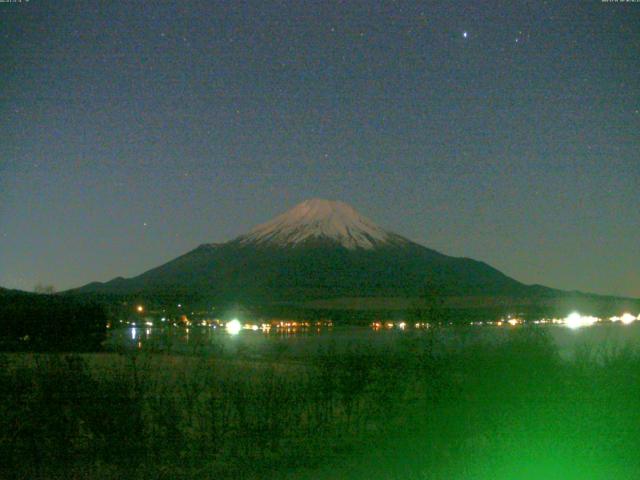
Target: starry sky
[508,132]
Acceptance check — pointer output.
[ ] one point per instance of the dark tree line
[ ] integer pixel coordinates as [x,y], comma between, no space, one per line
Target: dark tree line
[50,323]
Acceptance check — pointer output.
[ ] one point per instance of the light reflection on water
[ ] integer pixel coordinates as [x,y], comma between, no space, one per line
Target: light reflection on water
[309,340]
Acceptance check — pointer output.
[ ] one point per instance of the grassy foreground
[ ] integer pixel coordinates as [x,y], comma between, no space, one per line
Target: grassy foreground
[508,411]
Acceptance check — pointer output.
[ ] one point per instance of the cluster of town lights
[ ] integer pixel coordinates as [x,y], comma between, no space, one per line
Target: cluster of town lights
[626,318]
[234,326]
[573,321]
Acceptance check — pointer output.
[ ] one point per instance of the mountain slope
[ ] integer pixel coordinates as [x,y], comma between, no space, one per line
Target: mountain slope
[319,249]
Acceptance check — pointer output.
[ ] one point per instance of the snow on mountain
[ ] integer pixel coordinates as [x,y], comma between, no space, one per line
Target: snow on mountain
[320,219]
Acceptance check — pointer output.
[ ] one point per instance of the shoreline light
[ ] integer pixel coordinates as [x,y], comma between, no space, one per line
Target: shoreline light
[627,318]
[575,320]
[233,327]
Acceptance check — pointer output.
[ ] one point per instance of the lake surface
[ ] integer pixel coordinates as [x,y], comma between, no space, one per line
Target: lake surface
[601,338]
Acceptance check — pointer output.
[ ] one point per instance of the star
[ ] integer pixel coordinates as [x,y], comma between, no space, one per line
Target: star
[465,34]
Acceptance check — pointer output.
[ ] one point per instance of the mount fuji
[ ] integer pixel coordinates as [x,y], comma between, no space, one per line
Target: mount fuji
[321,254]
[321,220]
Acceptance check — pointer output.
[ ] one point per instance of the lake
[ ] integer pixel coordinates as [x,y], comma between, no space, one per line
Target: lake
[601,337]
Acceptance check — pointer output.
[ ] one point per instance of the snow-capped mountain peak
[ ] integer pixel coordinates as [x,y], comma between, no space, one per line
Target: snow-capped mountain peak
[320,219]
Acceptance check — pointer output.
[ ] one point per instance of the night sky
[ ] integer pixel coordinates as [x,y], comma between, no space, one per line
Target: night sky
[509,132]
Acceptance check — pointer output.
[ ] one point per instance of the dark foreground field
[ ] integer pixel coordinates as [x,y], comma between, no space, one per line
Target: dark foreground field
[512,411]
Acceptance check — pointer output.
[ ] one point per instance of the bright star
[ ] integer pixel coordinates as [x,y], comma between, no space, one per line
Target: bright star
[465,34]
